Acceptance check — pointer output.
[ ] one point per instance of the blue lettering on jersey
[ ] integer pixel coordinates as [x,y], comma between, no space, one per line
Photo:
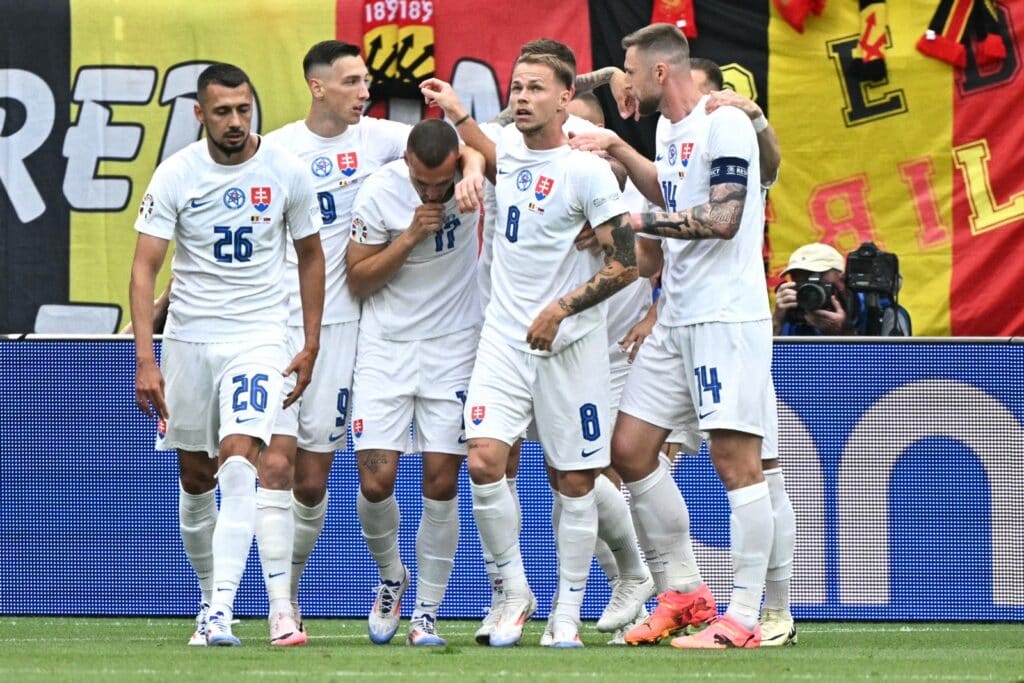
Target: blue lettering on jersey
[668,190]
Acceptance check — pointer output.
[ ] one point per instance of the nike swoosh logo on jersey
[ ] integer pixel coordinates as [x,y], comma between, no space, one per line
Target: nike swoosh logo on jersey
[242,421]
[658,158]
[462,439]
[710,412]
[196,203]
[332,438]
[587,454]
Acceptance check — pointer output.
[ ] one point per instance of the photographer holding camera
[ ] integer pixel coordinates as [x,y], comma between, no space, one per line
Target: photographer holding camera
[814,301]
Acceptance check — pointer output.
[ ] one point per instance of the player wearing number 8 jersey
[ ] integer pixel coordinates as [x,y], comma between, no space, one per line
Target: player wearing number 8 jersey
[231,203]
[338,149]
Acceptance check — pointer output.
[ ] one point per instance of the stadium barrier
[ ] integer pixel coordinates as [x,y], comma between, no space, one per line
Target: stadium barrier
[903,459]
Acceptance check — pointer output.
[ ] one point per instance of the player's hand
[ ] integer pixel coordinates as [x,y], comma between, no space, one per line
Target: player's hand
[426,220]
[302,367]
[149,389]
[829,322]
[438,93]
[587,239]
[593,142]
[731,98]
[635,337]
[624,99]
[544,328]
[469,192]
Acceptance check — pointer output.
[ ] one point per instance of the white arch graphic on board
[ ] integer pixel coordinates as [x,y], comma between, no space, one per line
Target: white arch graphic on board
[801,466]
[947,408]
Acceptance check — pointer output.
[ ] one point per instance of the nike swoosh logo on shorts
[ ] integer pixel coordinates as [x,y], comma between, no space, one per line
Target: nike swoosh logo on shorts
[707,414]
[587,454]
[240,420]
[332,438]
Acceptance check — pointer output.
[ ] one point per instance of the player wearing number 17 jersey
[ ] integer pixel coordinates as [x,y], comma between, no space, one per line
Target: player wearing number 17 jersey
[338,149]
[231,203]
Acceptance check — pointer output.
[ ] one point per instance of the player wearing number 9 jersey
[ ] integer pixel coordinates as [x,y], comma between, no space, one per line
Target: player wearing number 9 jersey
[338,148]
[231,203]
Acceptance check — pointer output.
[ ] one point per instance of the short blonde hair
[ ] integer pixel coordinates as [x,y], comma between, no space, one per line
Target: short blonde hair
[662,39]
[563,72]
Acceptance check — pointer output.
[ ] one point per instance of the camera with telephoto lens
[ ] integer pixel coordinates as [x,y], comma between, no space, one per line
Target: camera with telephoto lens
[814,293]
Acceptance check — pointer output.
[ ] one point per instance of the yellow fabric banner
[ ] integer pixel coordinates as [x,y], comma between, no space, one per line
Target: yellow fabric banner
[134,68]
[865,161]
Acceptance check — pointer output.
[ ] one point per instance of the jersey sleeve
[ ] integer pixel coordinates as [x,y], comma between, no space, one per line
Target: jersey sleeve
[302,212]
[731,134]
[599,192]
[394,137]
[367,218]
[158,212]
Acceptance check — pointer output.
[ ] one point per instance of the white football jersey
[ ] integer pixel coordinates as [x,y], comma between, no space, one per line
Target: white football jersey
[544,197]
[435,292]
[710,280]
[337,167]
[573,124]
[231,226]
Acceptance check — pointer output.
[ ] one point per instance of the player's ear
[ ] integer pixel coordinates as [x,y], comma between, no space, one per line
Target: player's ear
[198,111]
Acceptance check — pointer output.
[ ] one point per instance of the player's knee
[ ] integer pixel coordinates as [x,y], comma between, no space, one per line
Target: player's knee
[576,484]
[275,471]
[482,470]
[195,483]
[375,488]
[309,491]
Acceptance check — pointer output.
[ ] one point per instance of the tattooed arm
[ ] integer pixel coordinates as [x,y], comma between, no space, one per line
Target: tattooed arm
[591,80]
[617,242]
[718,219]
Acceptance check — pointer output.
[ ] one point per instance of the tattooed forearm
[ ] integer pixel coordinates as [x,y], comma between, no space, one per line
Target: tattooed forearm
[718,219]
[619,267]
[594,79]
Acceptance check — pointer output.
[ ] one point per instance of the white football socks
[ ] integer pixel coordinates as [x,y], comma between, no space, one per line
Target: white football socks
[436,543]
[235,529]
[661,511]
[275,534]
[615,531]
[197,517]
[309,523]
[380,529]
[494,510]
[780,562]
[577,533]
[751,528]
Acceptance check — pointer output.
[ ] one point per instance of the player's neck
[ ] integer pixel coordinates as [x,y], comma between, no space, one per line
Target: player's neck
[679,101]
[548,137]
[323,124]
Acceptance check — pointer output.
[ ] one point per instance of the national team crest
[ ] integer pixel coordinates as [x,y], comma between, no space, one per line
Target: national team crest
[321,167]
[260,198]
[543,188]
[348,163]
[234,198]
[357,427]
[523,179]
[146,207]
[685,150]
[477,414]
[672,154]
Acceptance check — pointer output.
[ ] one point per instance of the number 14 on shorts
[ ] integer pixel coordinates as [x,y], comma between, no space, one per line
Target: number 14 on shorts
[707,383]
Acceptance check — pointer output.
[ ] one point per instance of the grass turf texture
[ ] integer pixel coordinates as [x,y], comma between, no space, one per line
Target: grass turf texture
[81,650]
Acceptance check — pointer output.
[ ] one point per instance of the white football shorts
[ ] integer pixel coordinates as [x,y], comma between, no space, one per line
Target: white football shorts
[566,394]
[423,382]
[697,378]
[216,390]
[319,419]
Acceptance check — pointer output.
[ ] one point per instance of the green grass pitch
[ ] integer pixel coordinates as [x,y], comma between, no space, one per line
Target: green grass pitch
[83,650]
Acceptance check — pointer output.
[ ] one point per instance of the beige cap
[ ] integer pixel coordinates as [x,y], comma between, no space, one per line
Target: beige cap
[815,258]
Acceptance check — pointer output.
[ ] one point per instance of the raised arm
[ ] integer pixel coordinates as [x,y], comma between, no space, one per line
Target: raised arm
[440,93]
[769,154]
[617,242]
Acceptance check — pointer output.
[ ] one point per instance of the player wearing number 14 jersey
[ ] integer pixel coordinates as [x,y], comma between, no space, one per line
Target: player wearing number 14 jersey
[230,202]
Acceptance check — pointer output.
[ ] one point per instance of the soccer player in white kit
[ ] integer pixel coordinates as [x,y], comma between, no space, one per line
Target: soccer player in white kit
[230,202]
[708,363]
[624,566]
[338,149]
[412,261]
[542,352]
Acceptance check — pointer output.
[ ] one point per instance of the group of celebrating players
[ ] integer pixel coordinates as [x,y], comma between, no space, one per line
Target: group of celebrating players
[349,245]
